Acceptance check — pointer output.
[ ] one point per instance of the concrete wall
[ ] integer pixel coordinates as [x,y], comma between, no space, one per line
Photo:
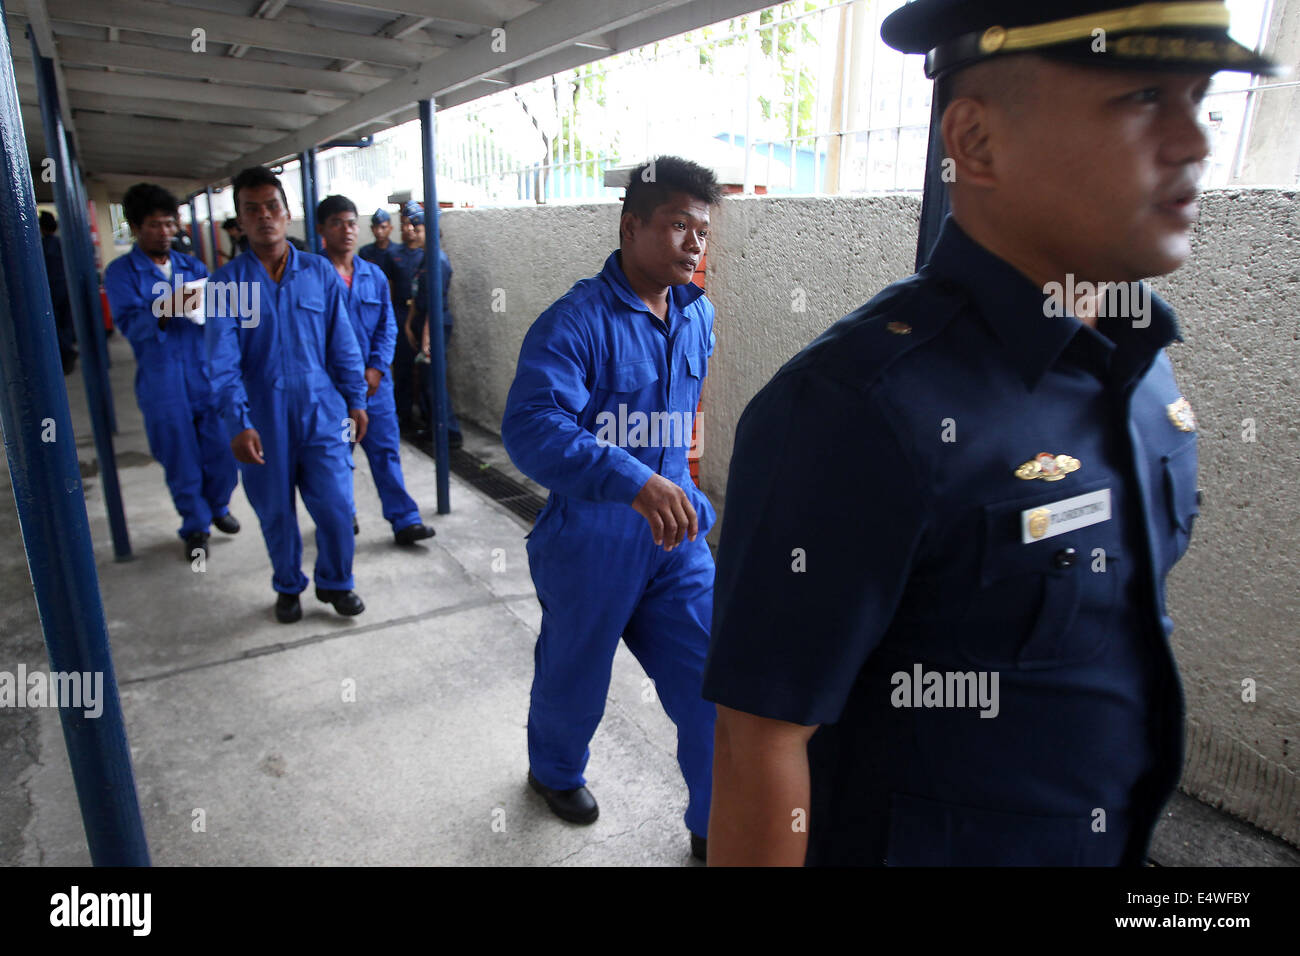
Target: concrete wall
[781,270]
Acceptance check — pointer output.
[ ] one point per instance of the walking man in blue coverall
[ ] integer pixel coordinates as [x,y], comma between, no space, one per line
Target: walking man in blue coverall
[371,310]
[291,383]
[181,417]
[600,413]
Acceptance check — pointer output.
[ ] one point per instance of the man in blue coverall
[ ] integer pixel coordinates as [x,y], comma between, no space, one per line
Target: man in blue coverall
[940,635]
[600,413]
[366,296]
[172,385]
[291,385]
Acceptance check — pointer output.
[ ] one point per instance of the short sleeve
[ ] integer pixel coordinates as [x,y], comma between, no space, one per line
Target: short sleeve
[824,515]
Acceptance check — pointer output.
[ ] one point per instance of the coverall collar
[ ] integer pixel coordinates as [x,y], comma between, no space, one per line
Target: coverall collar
[679,296]
[1013,308]
[140,259]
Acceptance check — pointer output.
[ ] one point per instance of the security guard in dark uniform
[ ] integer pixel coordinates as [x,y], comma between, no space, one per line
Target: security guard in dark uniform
[939,632]
[401,265]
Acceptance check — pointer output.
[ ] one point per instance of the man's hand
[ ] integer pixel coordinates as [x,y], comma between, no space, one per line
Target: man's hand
[247,446]
[667,510]
[410,336]
[360,421]
[373,378]
[761,791]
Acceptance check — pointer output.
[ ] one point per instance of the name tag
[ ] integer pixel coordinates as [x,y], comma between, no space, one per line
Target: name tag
[1069,514]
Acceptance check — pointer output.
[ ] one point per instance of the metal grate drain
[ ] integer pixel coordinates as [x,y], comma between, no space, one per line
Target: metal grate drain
[498,486]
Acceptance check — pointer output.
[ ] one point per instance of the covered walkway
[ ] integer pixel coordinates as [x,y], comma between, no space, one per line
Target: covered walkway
[244,719]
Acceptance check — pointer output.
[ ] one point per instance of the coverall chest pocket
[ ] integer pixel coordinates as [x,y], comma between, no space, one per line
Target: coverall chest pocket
[1027,612]
[1181,494]
[635,383]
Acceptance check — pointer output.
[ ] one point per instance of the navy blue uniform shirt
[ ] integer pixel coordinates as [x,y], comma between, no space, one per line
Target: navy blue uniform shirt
[876,533]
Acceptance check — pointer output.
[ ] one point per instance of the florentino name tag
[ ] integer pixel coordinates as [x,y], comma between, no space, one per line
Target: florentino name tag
[1069,514]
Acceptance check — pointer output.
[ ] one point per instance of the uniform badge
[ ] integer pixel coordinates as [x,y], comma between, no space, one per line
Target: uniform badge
[899,328]
[1048,467]
[1061,517]
[1180,413]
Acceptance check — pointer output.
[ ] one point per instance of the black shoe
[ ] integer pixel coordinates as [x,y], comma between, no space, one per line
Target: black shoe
[226,524]
[193,540]
[576,806]
[288,608]
[455,440]
[700,848]
[413,533]
[356,528]
[347,603]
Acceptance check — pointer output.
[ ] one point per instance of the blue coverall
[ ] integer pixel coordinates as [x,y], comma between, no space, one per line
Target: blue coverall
[172,386]
[292,370]
[596,353]
[371,310]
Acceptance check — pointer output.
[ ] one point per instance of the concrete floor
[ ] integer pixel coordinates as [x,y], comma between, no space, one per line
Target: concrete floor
[233,714]
[241,722]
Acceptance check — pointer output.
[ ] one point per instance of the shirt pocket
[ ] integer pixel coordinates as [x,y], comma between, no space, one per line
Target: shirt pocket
[627,377]
[1181,494]
[1025,612]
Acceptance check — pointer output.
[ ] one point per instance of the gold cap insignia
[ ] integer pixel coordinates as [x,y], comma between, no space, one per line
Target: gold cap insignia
[1039,520]
[899,328]
[1180,413]
[1048,467]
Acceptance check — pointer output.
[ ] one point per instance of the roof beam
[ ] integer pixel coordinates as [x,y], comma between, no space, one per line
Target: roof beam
[149,16]
[129,106]
[542,31]
[190,91]
[255,72]
[477,13]
[242,138]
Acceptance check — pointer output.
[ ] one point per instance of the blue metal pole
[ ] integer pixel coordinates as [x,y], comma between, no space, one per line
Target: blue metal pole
[433,306]
[934,201]
[307,172]
[212,229]
[195,239]
[94,369]
[80,232]
[42,459]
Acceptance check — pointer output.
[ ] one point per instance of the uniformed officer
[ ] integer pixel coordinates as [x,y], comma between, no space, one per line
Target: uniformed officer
[381,227]
[402,264]
[53,254]
[600,413]
[289,374]
[940,634]
[172,384]
[367,299]
[418,333]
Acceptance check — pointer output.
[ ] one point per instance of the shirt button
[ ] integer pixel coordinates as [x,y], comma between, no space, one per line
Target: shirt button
[1065,558]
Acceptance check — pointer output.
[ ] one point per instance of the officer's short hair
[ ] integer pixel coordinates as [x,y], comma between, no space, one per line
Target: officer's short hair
[652,183]
[144,199]
[48,222]
[255,176]
[333,205]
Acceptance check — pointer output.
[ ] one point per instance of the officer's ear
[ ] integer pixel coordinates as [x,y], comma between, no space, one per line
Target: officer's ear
[967,141]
